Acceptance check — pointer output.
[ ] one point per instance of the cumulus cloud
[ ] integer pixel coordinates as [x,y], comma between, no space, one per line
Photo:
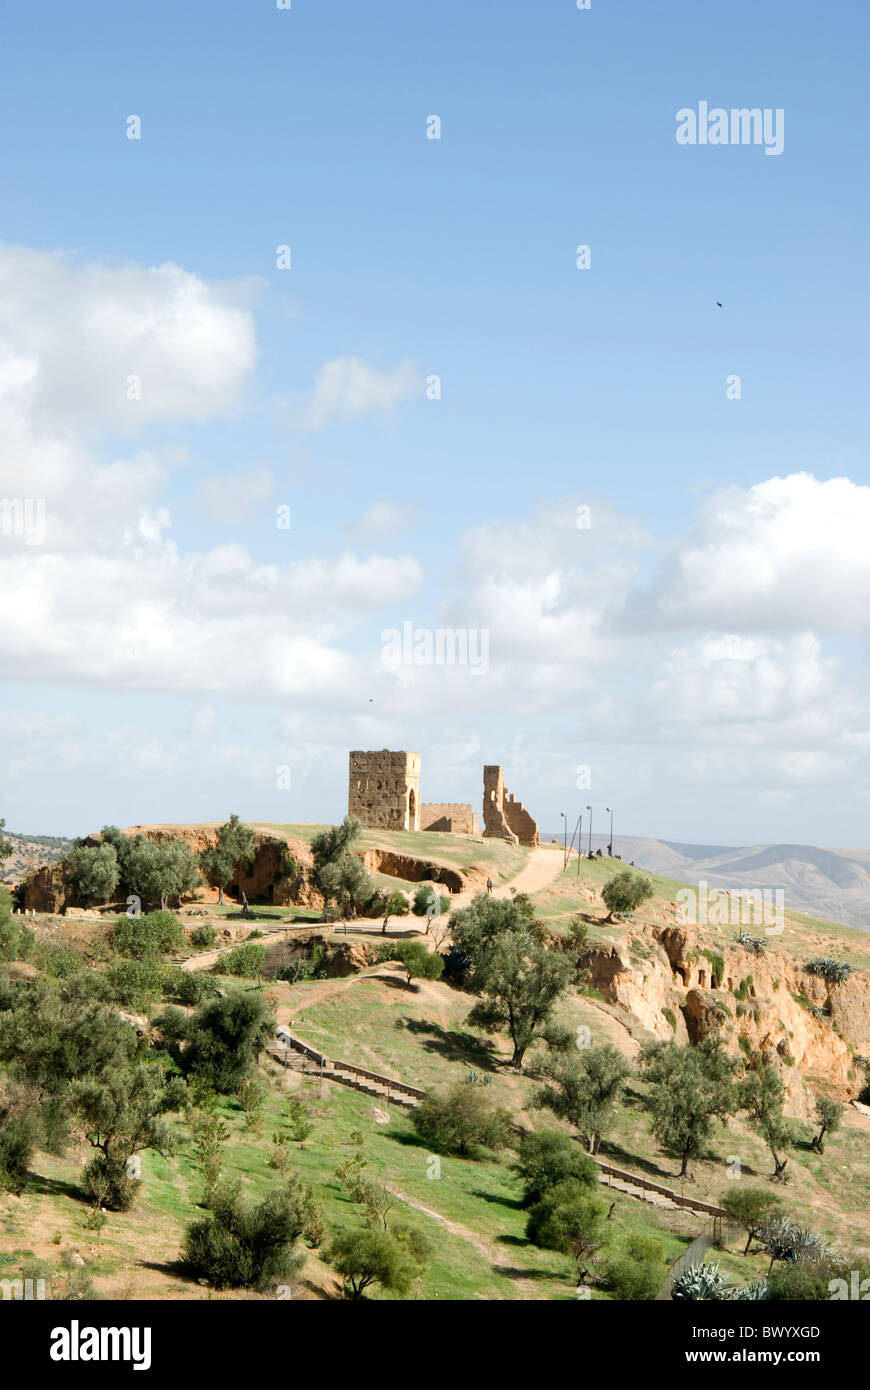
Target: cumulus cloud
[107,599]
[72,336]
[788,554]
[349,387]
[198,622]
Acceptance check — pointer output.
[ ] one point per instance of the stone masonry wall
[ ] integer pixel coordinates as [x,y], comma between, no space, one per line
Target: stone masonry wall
[384,789]
[494,821]
[504,818]
[521,823]
[454,817]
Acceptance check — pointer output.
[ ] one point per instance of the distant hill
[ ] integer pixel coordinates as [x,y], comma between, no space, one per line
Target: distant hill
[829,883]
[31,852]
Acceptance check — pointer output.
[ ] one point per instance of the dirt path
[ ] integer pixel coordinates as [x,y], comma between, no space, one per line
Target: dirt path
[543,866]
[490,1251]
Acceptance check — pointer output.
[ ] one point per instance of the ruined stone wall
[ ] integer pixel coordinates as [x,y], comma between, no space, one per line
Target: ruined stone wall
[384,789]
[494,822]
[504,818]
[521,823]
[454,817]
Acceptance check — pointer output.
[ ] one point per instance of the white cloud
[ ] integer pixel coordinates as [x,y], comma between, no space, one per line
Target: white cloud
[107,600]
[215,621]
[71,335]
[348,387]
[788,554]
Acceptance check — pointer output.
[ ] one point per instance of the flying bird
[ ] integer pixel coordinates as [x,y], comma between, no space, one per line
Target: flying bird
[718,304]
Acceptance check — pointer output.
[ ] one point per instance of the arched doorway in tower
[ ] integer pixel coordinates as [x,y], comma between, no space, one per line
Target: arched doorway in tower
[412,810]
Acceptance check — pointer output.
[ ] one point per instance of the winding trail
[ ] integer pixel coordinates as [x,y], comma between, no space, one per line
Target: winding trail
[543,866]
[487,1248]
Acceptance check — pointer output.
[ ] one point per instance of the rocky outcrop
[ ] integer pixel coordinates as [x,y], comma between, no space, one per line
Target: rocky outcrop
[413,870]
[348,958]
[766,1009]
[264,881]
[640,984]
[704,1015]
[337,958]
[44,890]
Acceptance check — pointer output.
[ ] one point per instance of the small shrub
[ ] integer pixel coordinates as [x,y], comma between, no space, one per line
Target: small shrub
[154,933]
[137,982]
[192,986]
[246,1244]
[461,1120]
[547,1157]
[299,1120]
[632,1280]
[418,962]
[247,960]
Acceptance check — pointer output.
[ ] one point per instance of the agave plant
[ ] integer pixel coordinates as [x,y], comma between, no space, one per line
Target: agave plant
[702,1282]
[755,944]
[784,1239]
[706,1283]
[752,1292]
[835,972]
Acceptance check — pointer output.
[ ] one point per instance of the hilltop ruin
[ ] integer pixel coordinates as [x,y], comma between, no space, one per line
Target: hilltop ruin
[384,793]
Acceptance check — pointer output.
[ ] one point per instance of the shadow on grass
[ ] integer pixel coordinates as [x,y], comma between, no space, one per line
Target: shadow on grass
[453,1046]
[395,982]
[513,1203]
[512,1272]
[57,1187]
[412,1140]
[633,1163]
[613,1153]
[254,916]
[176,1269]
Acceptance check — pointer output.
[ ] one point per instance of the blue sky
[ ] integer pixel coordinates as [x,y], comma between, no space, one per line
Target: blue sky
[704,714]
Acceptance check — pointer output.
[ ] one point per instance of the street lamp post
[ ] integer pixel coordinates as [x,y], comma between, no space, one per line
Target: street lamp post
[579,842]
[589,809]
[564,840]
[610,846]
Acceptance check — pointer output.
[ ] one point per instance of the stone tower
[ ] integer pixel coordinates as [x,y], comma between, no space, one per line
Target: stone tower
[384,789]
[504,818]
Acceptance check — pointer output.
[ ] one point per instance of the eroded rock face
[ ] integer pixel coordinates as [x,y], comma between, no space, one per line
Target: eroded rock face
[641,984]
[347,958]
[45,891]
[414,870]
[339,958]
[263,881]
[704,1015]
[661,975]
